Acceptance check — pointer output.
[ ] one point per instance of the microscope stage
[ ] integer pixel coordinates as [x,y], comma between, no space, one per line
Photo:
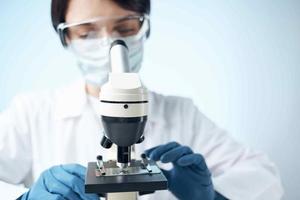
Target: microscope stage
[144,182]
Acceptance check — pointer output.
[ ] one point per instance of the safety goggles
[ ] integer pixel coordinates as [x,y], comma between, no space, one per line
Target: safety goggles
[133,26]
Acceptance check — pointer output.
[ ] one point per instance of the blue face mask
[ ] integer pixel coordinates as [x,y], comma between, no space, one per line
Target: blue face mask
[92,50]
[95,65]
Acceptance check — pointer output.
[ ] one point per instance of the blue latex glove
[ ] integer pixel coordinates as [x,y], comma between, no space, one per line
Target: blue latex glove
[190,178]
[64,182]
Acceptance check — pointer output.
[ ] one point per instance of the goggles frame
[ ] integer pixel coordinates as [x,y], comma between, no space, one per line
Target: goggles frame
[61,28]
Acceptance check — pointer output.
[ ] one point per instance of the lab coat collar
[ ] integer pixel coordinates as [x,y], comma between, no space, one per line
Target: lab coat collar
[71,101]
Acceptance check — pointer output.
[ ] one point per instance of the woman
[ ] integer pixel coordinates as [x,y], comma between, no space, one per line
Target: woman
[44,132]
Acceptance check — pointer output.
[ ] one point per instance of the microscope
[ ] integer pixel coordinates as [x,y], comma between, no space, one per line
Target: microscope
[123,109]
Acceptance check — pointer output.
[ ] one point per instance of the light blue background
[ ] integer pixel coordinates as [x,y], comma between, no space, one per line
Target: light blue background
[238,60]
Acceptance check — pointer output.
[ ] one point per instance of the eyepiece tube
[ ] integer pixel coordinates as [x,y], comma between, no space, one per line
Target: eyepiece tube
[119,57]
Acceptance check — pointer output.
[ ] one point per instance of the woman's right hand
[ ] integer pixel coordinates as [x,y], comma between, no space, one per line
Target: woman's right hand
[60,183]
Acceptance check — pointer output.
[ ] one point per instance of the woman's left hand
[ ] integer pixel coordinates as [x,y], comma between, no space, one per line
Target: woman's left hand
[190,178]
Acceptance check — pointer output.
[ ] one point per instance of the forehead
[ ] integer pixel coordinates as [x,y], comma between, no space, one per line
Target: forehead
[80,10]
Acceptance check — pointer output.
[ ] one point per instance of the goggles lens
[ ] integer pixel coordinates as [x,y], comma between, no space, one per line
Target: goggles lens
[88,37]
[101,27]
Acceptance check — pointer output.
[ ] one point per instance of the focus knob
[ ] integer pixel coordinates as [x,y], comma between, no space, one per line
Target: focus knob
[140,140]
[105,142]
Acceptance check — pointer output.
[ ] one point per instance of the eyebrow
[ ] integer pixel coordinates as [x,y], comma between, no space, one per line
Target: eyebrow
[127,18]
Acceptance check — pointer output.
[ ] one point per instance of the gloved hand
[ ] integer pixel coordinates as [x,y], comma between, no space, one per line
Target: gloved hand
[63,182]
[190,177]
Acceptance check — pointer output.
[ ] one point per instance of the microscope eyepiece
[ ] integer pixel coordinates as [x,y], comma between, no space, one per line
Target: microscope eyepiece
[118,42]
[119,58]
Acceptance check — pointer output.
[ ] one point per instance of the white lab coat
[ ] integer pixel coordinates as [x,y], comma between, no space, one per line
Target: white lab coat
[38,131]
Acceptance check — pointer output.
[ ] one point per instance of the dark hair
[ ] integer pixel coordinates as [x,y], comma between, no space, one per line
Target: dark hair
[59,8]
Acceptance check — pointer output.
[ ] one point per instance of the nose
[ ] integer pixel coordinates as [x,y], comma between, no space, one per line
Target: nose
[107,32]
[104,33]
